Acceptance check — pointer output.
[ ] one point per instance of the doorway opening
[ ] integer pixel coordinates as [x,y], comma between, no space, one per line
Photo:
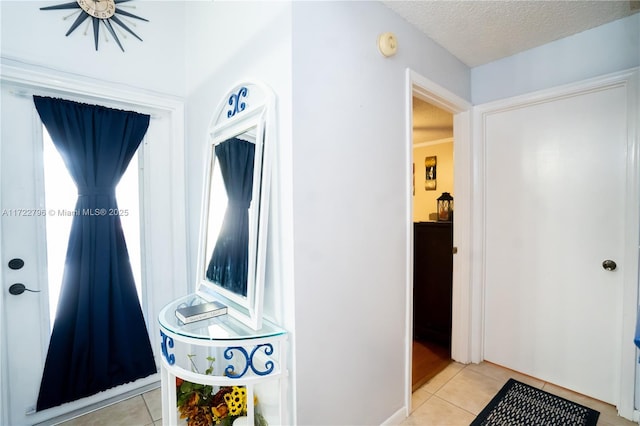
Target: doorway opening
[464,333]
[432,135]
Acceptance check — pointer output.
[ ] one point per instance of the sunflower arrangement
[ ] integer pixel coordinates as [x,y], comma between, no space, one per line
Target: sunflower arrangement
[205,405]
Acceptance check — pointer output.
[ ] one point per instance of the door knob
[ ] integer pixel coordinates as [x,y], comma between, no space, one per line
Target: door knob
[609,265]
[19,288]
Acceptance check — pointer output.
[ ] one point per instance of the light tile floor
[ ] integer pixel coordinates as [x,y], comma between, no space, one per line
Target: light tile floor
[141,410]
[458,394]
[452,398]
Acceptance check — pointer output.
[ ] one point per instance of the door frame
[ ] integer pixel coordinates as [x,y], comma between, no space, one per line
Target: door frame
[631,80]
[27,79]
[461,333]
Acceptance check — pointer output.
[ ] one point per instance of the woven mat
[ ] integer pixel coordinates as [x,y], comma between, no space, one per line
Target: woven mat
[518,404]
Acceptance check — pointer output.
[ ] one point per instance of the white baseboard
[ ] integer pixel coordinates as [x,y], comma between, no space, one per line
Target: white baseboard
[396,418]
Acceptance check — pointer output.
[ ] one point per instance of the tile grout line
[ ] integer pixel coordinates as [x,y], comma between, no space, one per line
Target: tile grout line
[464,366]
[455,405]
[146,405]
[435,393]
[454,376]
[451,402]
[436,390]
[431,394]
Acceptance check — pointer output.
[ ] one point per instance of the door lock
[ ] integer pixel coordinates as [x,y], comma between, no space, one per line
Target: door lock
[16,263]
[609,265]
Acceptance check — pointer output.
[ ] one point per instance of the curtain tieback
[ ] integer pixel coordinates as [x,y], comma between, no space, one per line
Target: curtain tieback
[96,190]
[239,204]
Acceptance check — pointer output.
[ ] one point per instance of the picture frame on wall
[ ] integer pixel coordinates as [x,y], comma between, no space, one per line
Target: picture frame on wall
[430,167]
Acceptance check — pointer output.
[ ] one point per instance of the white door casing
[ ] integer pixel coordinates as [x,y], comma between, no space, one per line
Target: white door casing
[25,324]
[461,333]
[558,176]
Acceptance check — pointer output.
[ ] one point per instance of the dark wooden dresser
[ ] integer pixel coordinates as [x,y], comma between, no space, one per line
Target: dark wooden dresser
[432,274]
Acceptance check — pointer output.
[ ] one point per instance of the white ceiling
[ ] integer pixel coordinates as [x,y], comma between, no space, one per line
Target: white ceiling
[479,31]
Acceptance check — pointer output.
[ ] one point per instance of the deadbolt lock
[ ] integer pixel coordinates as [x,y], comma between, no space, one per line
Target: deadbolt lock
[609,265]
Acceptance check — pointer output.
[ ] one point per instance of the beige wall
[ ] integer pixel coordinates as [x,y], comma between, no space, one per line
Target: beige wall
[424,202]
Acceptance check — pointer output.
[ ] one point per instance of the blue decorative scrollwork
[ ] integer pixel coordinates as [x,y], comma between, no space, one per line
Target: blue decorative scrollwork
[167,342]
[249,363]
[236,103]
[230,370]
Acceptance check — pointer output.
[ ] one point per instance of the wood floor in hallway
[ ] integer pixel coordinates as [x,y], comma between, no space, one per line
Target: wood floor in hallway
[428,360]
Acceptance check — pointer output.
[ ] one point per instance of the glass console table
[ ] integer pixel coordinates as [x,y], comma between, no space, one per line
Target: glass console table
[234,354]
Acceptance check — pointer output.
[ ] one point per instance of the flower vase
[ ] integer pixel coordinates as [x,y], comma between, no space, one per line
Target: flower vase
[242,421]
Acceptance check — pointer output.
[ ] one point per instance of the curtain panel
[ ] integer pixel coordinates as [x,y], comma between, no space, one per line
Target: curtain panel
[99,337]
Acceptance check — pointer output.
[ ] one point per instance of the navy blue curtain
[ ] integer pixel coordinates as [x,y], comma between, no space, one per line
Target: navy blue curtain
[229,261]
[99,337]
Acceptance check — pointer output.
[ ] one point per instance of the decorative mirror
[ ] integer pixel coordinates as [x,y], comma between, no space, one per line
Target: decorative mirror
[235,202]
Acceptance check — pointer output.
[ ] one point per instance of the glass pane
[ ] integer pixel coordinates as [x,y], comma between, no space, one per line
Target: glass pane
[128,198]
[60,200]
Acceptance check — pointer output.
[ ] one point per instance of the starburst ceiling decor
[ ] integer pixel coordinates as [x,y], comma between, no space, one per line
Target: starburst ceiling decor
[102,13]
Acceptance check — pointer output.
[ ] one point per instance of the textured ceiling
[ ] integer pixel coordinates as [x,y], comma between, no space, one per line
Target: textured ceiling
[430,123]
[478,31]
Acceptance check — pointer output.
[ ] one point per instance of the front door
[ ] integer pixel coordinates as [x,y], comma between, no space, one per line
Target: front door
[23,220]
[25,261]
[555,203]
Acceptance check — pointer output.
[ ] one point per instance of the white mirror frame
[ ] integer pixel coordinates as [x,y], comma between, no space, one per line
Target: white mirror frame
[249,107]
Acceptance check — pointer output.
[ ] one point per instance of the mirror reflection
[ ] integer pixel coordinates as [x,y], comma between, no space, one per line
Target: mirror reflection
[227,243]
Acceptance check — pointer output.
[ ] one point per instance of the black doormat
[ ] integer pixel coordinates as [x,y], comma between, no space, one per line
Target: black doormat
[518,404]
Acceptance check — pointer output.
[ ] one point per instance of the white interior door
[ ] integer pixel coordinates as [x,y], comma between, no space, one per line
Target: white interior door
[554,211]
